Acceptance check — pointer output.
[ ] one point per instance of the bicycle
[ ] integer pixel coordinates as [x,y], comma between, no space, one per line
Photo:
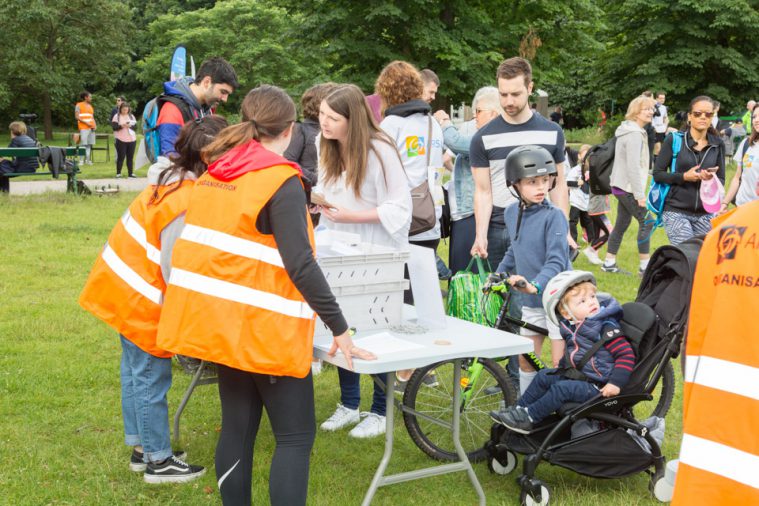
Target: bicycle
[485,384]
[486,387]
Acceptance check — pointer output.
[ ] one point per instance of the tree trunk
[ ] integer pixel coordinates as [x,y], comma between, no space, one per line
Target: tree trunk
[47,115]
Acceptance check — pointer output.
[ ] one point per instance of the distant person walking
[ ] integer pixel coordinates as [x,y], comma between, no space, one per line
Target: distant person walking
[123,131]
[85,117]
[701,158]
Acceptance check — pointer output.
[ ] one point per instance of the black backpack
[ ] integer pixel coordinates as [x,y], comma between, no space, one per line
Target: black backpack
[600,162]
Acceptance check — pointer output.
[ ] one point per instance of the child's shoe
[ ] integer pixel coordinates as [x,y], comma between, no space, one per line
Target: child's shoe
[592,256]
[614,268]
[514,418]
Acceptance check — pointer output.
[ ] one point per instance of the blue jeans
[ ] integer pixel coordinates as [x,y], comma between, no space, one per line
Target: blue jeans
[350,391]
[548,392]
[498,237]
[145,381]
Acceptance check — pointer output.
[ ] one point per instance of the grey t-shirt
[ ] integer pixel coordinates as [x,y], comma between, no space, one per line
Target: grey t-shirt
[750,175]
[492,143]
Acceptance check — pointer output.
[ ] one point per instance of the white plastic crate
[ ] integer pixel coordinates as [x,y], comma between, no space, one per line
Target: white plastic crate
[361,264]
[369,306]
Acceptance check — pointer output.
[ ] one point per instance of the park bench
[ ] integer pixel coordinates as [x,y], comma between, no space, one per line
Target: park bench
[44,170]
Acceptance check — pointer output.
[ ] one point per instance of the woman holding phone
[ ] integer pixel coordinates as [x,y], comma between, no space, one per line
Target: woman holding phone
[362,180]
[701,157]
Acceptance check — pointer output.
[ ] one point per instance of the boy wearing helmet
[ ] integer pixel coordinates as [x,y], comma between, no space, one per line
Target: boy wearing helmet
[538,247]
[598,358]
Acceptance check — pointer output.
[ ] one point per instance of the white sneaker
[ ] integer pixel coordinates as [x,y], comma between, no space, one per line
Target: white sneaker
[592,256]
[371,426]
[316,368]
[340,418]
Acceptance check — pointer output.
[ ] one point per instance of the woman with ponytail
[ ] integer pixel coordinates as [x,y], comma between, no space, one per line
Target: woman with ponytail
[243,291]
[125,289]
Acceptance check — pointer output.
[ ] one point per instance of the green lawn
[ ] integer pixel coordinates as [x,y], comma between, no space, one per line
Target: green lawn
[61,432]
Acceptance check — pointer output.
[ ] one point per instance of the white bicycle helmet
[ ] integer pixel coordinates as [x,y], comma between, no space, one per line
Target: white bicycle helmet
[558,286]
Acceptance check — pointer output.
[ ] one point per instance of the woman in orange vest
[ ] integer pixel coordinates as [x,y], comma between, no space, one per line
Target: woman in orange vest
[719,456]
[125,289]
[243,290]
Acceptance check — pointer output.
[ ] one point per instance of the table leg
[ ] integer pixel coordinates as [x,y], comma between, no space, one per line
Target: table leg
[186,398]
[389,407]
[457,429]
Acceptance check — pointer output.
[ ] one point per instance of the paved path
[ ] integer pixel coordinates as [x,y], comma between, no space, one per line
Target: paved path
[59,185]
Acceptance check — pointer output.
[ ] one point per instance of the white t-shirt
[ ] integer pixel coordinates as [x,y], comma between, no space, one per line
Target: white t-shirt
[750,175]
[659,122]
[410,136]
[577,197]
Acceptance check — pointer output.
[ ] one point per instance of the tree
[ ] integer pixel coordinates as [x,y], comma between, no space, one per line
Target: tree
[54,49]
[463,41]
[257,38]
[685,48]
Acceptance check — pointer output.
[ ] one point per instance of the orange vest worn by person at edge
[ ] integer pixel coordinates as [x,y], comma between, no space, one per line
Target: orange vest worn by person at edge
[125,288]
[230,299]
[719,457]
[86,113]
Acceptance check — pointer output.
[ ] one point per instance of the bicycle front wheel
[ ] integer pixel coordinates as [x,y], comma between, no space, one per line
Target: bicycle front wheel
[432,399]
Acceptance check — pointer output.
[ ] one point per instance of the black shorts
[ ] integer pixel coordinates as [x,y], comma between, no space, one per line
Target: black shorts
[660,136]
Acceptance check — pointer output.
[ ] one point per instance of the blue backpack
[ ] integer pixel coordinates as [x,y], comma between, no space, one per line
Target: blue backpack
[150,113]
[657,195]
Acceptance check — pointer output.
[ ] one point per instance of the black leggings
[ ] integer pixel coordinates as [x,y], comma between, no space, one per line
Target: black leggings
[289,404]
[125,151]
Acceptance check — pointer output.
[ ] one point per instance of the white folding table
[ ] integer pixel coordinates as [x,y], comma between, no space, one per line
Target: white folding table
[458,340]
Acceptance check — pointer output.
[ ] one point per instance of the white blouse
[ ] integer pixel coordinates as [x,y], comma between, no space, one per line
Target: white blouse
[386,191]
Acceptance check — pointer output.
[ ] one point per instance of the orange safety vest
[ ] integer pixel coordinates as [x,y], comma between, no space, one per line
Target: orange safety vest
[719,456]
[230,299]
[86,113]
[125,287]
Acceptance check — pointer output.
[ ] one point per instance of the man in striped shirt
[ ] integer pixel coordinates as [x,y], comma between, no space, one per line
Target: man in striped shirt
[517,126]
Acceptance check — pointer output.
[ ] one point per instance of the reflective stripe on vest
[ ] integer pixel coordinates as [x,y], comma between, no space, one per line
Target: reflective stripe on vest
[722,375]
[232,244]
[122,270]
[720,459]
[138,233]
[242,294]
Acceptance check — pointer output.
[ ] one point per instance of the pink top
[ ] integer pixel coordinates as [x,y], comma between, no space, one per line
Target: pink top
[125,133]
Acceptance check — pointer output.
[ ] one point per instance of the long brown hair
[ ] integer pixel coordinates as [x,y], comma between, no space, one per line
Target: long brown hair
[348,101]
[193,137]
[266,112]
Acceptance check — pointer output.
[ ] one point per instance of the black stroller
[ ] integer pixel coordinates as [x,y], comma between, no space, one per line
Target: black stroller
[654,325]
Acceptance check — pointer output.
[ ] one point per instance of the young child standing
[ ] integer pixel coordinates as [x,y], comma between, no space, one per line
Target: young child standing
[125,289]
[538,249]
[598,358]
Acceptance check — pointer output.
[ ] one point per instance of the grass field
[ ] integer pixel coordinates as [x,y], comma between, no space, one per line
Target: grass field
[61,431]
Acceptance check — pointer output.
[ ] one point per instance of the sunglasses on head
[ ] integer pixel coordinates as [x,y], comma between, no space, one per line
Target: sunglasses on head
[698,114]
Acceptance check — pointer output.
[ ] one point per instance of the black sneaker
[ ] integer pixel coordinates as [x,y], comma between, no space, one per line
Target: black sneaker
[430,380]
[615,269]
[172,470]
[137,464]
[513,418]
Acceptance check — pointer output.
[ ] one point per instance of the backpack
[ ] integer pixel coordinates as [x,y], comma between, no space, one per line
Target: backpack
[659,191]
[465,295]
[600,163]
[152,140]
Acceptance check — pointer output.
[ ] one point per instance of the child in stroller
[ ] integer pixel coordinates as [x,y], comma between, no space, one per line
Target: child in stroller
[598,359]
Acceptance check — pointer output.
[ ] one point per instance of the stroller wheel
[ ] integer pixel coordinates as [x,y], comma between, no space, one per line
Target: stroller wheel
[661,488]
[503,463]
[527,499]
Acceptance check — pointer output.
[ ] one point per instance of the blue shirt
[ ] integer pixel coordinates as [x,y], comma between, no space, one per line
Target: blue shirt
[541,250]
